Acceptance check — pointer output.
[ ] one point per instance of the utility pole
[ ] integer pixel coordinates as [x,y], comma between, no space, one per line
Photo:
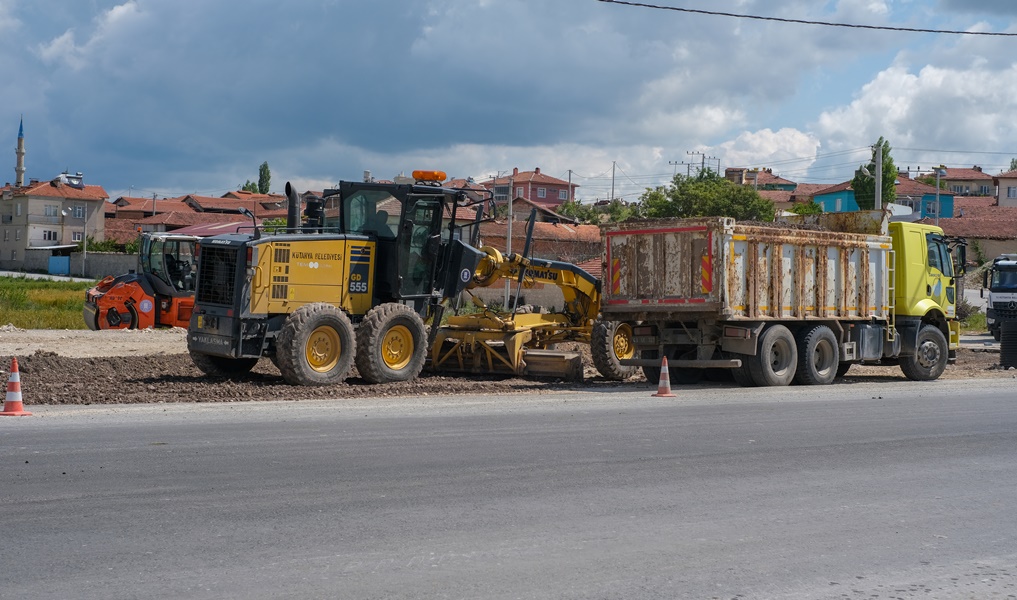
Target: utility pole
[879,177]
[711,159]
[612,179]
[703,159]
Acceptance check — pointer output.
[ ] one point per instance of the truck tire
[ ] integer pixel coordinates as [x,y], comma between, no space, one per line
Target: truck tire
[686,375]
[996,333]
[842,369]
[776,358]
[818,356]
[930,356]
[652,374]
[391,344]
[609,343]
[315,346]
[221,366]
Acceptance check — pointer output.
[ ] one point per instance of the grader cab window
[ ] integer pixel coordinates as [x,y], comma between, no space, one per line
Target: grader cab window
[371,212]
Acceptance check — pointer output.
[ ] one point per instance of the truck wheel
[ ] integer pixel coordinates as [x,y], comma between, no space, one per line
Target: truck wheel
[776,358]
[391,344]
[686,375]
[842,369]
[997,333]
[818,358]
[315,346]
[652,374]
[930,356]
[221,366]
[609,343]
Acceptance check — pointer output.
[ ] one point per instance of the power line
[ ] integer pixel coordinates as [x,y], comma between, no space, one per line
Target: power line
[807,22]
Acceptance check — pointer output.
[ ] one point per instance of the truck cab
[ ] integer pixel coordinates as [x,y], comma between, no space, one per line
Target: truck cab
[999,283]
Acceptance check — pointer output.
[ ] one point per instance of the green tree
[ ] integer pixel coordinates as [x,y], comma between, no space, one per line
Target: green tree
[1013,164]
[584,213]
[705,195]
[264,178]
[807,208]
[864,185]
[250,186]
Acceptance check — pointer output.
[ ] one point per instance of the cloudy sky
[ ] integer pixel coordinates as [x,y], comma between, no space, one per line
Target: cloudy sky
[190,96]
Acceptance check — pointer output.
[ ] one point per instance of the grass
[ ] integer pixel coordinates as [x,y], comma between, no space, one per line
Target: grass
[42,303]
[975,323]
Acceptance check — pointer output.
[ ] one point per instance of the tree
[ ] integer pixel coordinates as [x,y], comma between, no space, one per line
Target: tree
[1013,164]
[250,186]
[864,185]
[705,195]
[264,178]
[584,213]
[807,208]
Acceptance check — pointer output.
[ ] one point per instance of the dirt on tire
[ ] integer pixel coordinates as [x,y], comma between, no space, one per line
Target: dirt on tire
[151,366]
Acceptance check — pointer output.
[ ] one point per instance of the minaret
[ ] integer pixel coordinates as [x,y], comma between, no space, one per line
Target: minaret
[19,170]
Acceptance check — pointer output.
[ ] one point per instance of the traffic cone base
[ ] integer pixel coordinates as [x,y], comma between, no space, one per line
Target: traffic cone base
[13,407]
[664,387]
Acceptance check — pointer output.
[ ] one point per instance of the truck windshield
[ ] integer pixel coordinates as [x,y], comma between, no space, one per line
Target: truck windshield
[1004,279]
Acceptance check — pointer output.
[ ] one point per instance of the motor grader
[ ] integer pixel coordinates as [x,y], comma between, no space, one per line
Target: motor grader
[349,280]
[160,293]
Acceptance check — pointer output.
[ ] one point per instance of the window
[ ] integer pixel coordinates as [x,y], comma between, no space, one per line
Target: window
[76,236]
[1011,192]
[984,190]
[17,235]
[956,189]
[79,212]
[563,194]
[930,208]
[7,235]
[501,192]
[49,236]
[519,192]
[51,210]
[836,205]
[17,209]
[542,192]
[14,255]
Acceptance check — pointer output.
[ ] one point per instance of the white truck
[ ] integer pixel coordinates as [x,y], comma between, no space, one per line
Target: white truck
[1000,283]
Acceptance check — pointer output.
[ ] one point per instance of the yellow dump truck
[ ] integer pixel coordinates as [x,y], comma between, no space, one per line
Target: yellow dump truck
[783,302]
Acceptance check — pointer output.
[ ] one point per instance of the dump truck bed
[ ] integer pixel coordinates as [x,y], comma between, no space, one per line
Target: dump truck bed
[716,268]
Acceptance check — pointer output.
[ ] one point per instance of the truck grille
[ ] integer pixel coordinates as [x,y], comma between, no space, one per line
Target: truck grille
[217,276]
[1005,310]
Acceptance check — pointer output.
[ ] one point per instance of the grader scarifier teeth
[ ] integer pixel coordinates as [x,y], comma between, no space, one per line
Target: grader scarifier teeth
[495,352]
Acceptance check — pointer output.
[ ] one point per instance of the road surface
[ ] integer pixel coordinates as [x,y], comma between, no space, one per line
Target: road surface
[887,490]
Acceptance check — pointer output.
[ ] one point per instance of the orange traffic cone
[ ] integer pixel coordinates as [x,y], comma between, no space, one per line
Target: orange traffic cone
[12,405]
[664,387]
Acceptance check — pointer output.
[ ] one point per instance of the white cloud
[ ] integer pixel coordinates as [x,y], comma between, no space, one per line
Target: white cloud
[766,147]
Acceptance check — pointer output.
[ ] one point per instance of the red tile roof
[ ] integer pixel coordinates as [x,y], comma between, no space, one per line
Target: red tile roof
[57,189]
[974,174]
[1001,224]
[519,177]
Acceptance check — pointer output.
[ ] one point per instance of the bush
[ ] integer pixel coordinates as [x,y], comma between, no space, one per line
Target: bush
[965,309]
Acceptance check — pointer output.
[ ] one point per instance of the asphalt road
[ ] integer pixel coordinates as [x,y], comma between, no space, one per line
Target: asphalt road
[848,491]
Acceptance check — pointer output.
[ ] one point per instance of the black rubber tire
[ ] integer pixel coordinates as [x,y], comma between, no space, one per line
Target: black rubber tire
[741,374]
[686,375]
[221,366]
[930,358]
[652,374]
[391,344]
[609,342]
[842,369]
[314,330]
[1008,344]
[818,356]
[776,358]
[997,333]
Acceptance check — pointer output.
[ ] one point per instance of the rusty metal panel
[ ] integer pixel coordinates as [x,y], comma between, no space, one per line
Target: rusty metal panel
[748,272]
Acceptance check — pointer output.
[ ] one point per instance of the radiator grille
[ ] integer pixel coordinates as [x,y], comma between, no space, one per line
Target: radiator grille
[1005,310]
[217,276]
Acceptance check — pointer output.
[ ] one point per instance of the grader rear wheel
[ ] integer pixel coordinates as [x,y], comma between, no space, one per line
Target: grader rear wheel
[391,344]
[315,346]
[611,342]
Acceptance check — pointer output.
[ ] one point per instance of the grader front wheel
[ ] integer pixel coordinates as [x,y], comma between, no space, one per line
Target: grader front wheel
[391,344]
[315,346]
[610,343]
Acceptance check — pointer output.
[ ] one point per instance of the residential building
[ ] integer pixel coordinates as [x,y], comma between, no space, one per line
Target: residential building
[532,185]
[968,182]
[921,198]
[1006,188]
[61,212]
[760,179]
